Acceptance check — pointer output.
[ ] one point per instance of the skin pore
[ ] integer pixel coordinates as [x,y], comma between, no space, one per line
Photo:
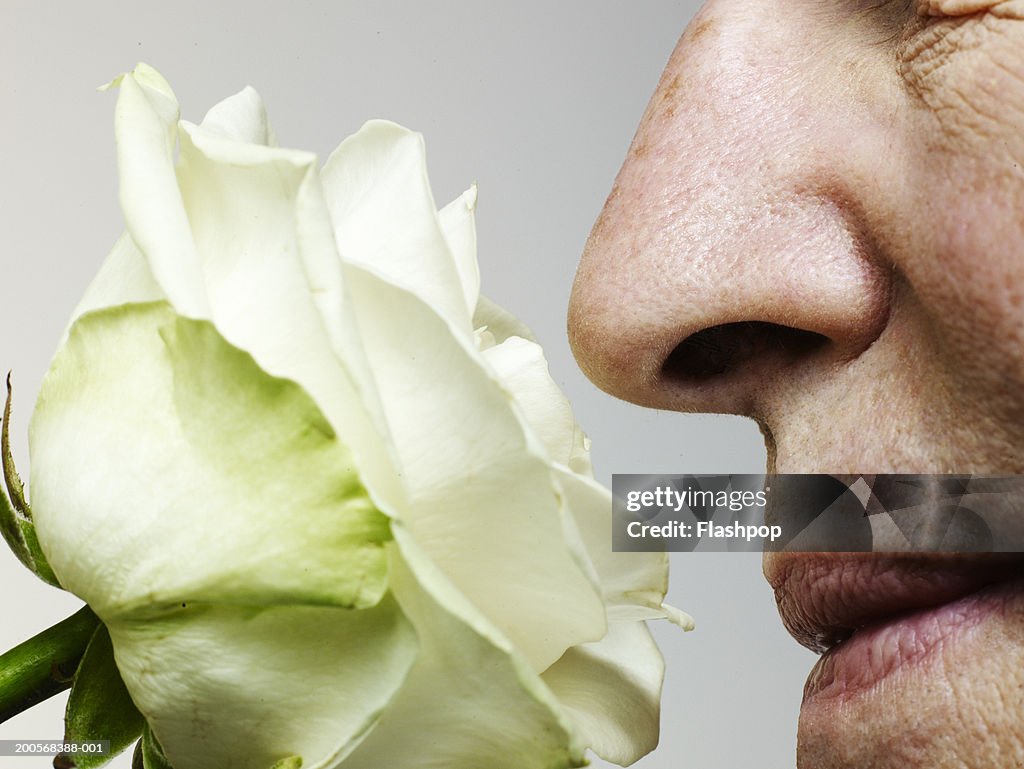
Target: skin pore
[820,225]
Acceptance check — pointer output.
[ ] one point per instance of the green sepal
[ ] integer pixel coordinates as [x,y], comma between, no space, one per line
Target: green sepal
[292,762]
[40,566]
[15,514]
[99,707]
[45,664]
[11,478]
[148,753]
[11,526]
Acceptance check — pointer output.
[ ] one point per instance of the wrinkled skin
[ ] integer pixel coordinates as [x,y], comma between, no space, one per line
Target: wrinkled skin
[845,179]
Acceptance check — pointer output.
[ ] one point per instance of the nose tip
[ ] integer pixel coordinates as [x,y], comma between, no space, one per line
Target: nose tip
[670,318]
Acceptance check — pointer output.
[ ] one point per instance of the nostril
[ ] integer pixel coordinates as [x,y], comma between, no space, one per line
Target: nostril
[721,349]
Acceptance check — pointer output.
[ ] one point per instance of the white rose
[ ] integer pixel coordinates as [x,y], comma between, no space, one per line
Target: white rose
[327,501]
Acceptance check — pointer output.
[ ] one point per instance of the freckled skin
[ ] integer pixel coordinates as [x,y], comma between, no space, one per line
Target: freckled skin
[853,169]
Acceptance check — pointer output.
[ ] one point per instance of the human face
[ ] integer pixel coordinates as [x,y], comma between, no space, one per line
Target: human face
[820,225]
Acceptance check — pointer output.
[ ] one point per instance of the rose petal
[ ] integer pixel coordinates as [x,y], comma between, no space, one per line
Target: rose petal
[500,322]
[145,125]
[385,218]
[458,222]
[227,687]
[274,282]
[124,277]
[236,243]
[470,700]
[232,487]
[482,501]
[522,369]
[241,201]
[612,688]
[633,584]
[241,118]
[611,691]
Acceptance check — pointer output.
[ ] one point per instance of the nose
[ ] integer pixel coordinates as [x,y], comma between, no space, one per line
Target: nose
[733,251]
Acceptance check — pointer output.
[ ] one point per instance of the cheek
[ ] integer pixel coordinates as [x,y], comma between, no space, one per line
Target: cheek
[964,82]
[964,144]
[963,258]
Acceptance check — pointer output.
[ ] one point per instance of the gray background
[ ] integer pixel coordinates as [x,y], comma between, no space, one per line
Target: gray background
[537,102]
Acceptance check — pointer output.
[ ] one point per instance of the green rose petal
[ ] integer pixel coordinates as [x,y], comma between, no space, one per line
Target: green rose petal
[238,687]
[213,519]
[237,232]
[167,468]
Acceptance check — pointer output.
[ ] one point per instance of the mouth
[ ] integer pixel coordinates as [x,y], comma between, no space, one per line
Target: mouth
[871,614]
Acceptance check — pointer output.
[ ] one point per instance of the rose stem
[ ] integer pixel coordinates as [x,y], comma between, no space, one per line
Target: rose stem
[45,664]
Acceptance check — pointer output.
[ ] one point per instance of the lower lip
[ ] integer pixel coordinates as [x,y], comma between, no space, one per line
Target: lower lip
[878,651]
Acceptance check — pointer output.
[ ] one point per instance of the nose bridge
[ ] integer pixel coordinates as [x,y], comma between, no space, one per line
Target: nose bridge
[724,213]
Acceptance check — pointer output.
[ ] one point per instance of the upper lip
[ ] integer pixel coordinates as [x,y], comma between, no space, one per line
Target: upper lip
[825,598]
